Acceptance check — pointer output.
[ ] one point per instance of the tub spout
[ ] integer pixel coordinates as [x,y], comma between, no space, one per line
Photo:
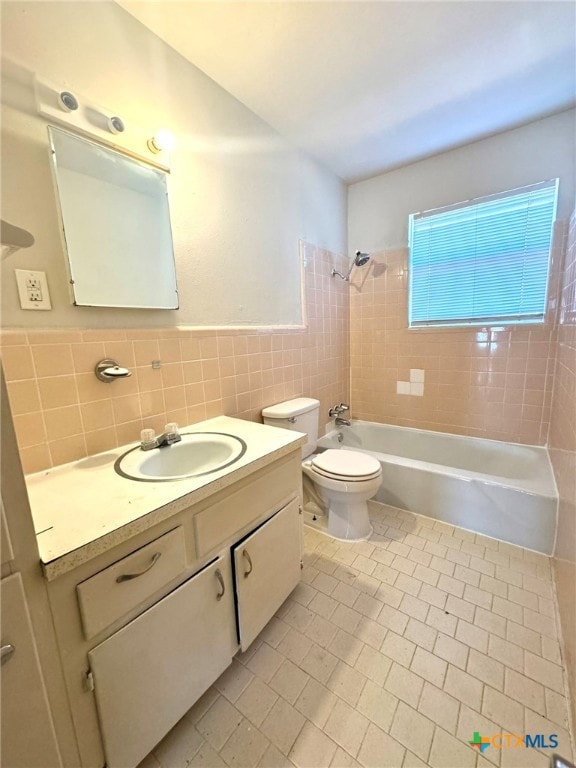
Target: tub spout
[342,422]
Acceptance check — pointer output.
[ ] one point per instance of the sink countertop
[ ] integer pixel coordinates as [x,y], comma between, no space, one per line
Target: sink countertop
[84,508]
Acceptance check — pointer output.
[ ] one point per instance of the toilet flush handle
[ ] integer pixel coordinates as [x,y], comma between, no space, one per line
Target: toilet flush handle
[292,419]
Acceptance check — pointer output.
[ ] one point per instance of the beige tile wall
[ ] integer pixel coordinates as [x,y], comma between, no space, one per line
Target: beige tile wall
[562,445]
[484,382]
[62,412]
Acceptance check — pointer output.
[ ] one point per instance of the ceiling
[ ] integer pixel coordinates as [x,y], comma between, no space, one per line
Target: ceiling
[370,86]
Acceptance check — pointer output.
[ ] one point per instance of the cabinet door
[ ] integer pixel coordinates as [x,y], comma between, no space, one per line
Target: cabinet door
[150,673]
[28,739]
[267,568]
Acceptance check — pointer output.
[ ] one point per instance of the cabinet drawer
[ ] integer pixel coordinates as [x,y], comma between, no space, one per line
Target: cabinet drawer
[112,593]
[230,517]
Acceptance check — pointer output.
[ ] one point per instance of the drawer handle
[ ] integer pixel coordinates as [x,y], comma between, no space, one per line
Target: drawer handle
[6,653]
[130,576]
[220,595]
[248,558]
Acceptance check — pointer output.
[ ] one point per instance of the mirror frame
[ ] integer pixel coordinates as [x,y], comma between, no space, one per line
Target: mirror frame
[79,297]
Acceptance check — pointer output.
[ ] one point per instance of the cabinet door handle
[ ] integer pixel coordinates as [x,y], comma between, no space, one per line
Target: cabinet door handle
[248,558]
[6,653]
[130,576]
[220,578]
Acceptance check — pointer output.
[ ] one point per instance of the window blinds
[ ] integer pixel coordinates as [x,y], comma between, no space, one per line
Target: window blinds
[484,260]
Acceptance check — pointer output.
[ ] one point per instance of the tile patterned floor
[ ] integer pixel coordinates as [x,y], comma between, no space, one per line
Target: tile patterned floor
[391,653]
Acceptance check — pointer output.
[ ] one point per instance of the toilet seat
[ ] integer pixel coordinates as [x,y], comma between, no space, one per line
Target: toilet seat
[344,465]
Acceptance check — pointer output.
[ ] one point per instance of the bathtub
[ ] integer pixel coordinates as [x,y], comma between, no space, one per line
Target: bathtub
[502,490]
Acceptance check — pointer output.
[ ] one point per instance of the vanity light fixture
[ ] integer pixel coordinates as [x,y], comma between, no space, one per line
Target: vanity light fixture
[67,101]
[115,124]
[65,105]
[162,141]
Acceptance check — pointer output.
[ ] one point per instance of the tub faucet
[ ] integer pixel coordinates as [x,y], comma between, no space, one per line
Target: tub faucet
[338,410]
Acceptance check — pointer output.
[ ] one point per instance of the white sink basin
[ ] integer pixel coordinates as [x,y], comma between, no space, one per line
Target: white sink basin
[198,453]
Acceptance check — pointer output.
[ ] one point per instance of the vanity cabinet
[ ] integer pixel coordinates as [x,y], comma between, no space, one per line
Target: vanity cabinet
[138,652]
[147,675]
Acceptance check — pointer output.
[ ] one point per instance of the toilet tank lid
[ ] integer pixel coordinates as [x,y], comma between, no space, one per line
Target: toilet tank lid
[291,408]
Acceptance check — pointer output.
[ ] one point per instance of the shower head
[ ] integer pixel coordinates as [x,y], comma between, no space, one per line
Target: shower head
[359,260]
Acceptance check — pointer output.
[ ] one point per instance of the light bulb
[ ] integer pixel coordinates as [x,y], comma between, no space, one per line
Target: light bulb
[162,141]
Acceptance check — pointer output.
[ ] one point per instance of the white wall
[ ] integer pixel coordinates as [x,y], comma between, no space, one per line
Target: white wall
[241,197]
[378,208]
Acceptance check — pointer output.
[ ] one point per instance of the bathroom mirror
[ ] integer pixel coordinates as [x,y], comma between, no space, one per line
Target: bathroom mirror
[116,223]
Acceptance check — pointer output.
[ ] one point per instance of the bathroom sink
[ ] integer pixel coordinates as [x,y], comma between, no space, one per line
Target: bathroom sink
[198,453]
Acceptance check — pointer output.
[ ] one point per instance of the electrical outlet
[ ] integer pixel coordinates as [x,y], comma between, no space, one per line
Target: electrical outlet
[32,289]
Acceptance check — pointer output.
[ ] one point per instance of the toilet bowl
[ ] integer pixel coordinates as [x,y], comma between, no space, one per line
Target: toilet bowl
[345,480]
[341,480]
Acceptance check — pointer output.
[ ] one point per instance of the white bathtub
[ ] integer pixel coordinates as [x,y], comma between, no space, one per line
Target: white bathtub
[502,490]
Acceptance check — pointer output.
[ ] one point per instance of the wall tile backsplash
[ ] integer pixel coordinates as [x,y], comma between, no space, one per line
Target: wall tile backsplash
[62,412]
[486,382]
[413,387]
[562,446]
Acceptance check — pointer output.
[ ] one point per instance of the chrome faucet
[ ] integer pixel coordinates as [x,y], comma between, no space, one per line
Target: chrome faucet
[148,439]
[342,422]
[337,410]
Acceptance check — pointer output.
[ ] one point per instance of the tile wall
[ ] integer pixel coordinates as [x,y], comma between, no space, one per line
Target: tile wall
[63,413]
[562,446]
[484,382]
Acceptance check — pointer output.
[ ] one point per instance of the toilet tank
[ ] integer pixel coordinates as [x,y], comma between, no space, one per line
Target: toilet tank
[300,414]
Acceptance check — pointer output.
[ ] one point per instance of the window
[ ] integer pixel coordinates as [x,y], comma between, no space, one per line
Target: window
[483,261]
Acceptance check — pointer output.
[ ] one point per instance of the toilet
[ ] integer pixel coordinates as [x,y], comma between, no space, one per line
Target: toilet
[341,481]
